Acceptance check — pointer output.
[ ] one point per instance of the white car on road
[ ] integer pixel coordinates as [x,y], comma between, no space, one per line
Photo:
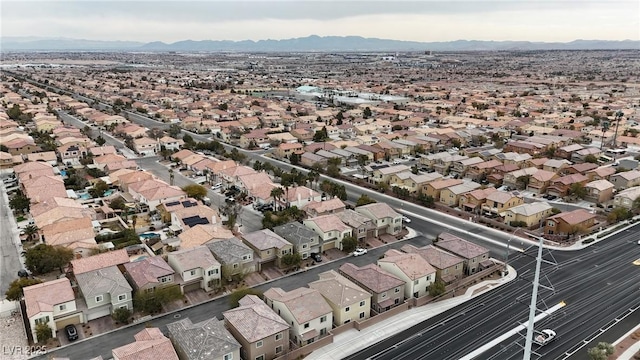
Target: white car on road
[405,219]
[359,251]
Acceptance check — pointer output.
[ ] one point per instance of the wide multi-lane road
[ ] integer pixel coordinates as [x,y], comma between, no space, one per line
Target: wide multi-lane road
[600,286]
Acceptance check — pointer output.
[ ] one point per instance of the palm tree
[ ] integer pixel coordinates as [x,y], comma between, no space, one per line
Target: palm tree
[313,176]
[276,193]
[30,231]
[134,220]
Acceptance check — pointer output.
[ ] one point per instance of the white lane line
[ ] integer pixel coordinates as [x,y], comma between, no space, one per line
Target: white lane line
[510,333]
[452,227]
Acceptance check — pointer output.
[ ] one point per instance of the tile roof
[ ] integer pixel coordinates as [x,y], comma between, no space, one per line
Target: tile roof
[198,257]
[440,259]
[321,207]
[599,185]
[148,270]
[208,339]
[254,320]
[70,231]
[460,247]
[372,277]
[150,344]
[43,297]
[304,304]
[338,289]
[531,208]
[328,223]
[500,197]
[265,239]
[296,233]
[102,281]
[413,266]
[229,251]
[574,217]
[378,210]
[95,262]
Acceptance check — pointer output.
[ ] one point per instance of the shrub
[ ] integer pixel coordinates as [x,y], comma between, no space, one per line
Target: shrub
[121,315]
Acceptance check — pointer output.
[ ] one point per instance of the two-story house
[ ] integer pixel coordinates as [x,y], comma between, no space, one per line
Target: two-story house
[146,146]
[331,230]
[473,200]
[475,256]
[413,182]
[150,344]
[625,179]
[348,301]
[383,175]
[449,267]
[626,197]
[385,218]
[149,273]
[461,167]
[599,191]
[434,188]
[413,269]
[305,310]
[386,289]
[208,339]
[304,240]
[261,332]
[195,268]
[235,257]
[269,246]
[330,206]
[539,181]
[530,214]
[560,187]
[569,223]
[52,303]
[499,201]
[363,227]
[451,195]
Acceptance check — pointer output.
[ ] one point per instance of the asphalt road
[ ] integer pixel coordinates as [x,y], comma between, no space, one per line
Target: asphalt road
[10,261]
[599,285]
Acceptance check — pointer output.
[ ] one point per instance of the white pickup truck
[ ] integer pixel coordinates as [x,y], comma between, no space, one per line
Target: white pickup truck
[544,337]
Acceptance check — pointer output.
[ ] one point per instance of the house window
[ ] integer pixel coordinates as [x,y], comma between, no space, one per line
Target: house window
[306,326]
[235,266]
[212,272]
[347,309]
[246,257]
[99,298]
[228,356]
[278,349]
[259,343]
[164,279]
[42,320]
[260,357]
[415,282]
[323,319]
[122,297]
[304,246]
[362,303]
[397,290]
[323,331]
[268,253]
[63,307]
[383,295]
[193,272]
[362,315]
[278,336]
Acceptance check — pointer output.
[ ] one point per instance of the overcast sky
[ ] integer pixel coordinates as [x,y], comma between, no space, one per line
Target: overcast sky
[170,21]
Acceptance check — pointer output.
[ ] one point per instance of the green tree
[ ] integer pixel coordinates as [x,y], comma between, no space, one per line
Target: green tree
[291,260]
[349,243]
[15,112]
[383,187]
[550,152]
[232,211]
[98,189]
[437,288]
[602,351]
[321,135]
[276,193]
[195,191]
[43,332]
[30,231]
[223,106]
[619,214]
[555,211]
[578,190]
[121,315]
[364,199]
[174,130]
[523,181]
[188,140]
[19,203]
[313,176]
[117,204]
[152,302]
[294,159]
[100,140]
[234,297]
[591,159]
[366,113]
[333,171]
[14,292]
[426,200]
[44,258]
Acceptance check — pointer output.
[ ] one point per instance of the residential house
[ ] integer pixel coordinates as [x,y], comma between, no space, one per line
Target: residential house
[170,143]
[524,147]
[385,218]
[499,172]
[285,150]
[579,168]
[539,181]
[383,175]
[326,207]
[413,182]
[309,159]
[449,267]
[514,158]
[148,274]
[270,247]
[461,167]
[475,256]
[530,214]
[625,179]
[104,290]
[305,310]
[473,200]
[52,303]
[603,172]
[146,146]
[451,195]
[569,223]
[150,344]
[300,196]
[348,301]
[561,186]
[387,290]
[208,339]
[434,188]
[305,241]
[76,234]
[331,230]
[413,269]
[363,226]
[261,332]
[499,201]
[580,155]
[566,152]
[235,257]
[482,170]
[556,166]
[599,191]
[195,269]
[627,197]
[514,178]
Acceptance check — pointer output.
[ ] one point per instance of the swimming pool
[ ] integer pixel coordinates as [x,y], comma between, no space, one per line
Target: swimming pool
[149,235]
[85,196]
[109,192]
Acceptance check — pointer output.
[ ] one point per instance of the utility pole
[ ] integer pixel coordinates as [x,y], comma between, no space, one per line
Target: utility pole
[532,307]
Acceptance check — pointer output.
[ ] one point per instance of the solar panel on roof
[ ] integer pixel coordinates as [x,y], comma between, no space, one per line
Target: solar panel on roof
[173,203]
[195,220]
[188,204]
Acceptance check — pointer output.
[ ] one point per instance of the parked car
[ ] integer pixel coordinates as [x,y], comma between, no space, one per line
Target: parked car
[216,186]
[316,257]
[71,332]
[405,219]
[359,251]
[230,199]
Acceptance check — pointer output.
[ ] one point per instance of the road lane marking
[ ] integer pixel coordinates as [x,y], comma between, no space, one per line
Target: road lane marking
[511,332]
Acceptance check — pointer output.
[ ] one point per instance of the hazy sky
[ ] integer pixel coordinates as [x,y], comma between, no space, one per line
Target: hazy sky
[170,21]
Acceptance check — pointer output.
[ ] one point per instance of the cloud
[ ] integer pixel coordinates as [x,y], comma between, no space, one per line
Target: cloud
[171,21]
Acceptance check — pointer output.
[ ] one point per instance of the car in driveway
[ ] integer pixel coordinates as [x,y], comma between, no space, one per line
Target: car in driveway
[216,186]
[71,332]
[316,257]
[359,251]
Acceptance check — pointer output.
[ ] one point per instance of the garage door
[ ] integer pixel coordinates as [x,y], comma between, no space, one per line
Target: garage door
[328,245]
[191,287]
[105,311]
[76,319]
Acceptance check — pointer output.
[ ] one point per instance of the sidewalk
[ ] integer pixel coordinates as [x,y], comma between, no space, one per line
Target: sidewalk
[633,348]
[352,341]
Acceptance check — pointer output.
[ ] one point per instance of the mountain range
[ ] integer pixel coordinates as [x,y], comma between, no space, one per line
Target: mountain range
[305,44]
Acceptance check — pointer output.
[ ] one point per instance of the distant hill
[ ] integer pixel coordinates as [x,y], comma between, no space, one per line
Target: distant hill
[307,44]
